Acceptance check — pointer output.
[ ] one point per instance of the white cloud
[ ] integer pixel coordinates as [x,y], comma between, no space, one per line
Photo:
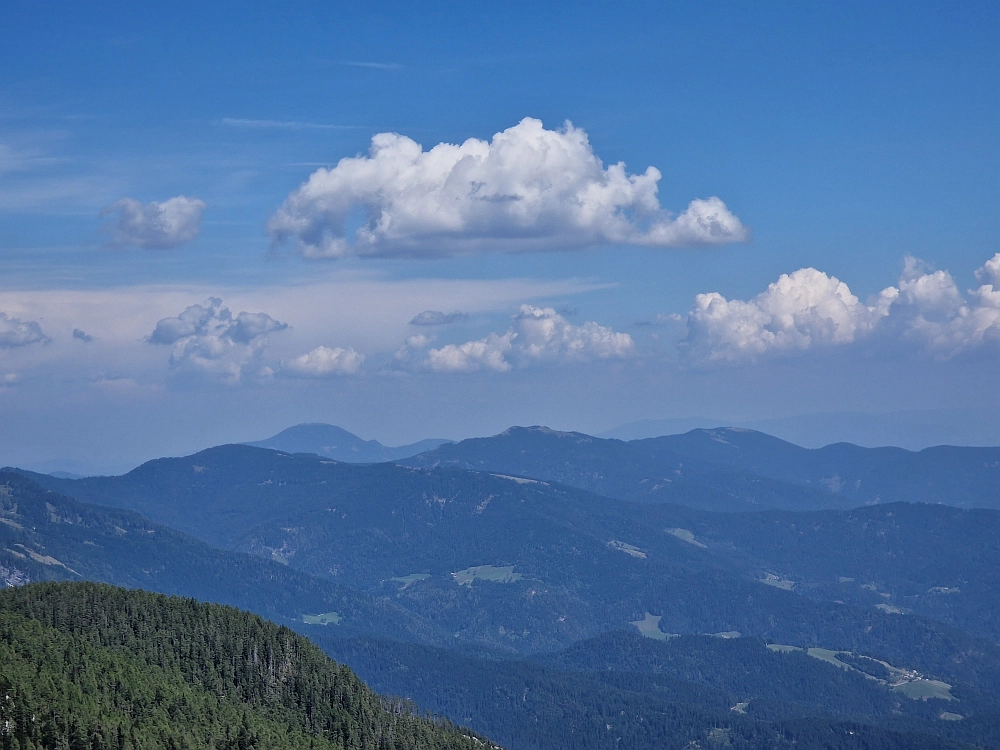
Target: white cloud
[15,332]
[529,189]
[808,308]
[800,310]
[208,338]
[159,226]
[933,312]
[484,354]
[537,334]
[324,362]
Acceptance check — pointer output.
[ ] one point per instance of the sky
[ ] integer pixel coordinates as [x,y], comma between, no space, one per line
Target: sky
[442,219]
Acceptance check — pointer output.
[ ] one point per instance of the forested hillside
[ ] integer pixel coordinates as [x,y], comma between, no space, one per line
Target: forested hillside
[45,536]
[96,667]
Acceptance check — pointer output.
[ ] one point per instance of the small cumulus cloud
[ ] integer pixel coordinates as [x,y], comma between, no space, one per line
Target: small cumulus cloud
[529,189]
[488,353]
[15,332]
[154,225]
[325,362]
[537,334]
[438,318]
[82,336]
[208,338]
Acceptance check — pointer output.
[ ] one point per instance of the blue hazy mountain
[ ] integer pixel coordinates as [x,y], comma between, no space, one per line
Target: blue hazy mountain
[508,567]
[953,475]
[913,429]
[339,444]
[733,469]
[530,565]
[638,471]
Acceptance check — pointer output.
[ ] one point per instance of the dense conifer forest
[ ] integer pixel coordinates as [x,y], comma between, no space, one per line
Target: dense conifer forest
[91,667]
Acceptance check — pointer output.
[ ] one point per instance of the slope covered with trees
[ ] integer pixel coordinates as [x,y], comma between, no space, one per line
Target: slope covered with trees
[91,666]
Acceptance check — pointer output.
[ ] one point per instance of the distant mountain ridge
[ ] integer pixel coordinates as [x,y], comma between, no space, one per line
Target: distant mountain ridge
[913,429]
[337,443]
[733,469]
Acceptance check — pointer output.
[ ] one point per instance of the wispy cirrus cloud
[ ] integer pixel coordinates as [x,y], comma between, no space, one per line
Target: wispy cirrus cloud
[240,122]
[373,65]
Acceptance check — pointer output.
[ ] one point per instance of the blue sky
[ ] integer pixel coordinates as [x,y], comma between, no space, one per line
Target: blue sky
[840,137]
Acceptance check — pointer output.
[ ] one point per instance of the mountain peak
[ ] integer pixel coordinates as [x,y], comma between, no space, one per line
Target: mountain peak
[337,443]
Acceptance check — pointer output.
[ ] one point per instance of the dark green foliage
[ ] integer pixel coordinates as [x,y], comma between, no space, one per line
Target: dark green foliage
[92,666]
[620,691]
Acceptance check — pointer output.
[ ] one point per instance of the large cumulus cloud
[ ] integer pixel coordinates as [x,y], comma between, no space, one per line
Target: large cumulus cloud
[529,189]
[155,225]
[536,334]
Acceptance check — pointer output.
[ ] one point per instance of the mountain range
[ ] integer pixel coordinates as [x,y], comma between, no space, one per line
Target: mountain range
[479,573]
[733,469]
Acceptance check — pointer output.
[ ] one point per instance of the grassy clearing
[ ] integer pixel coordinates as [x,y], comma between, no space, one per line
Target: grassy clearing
[628,549]
[494,573]
[782,648]
[324,619]
[923,689]
[825,654]
[411,578]
[649,626]
[686,536]
[907,682]
[779,583]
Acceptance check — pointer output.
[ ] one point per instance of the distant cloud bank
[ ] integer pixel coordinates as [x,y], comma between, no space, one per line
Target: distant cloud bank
[157,226]
[527,190]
